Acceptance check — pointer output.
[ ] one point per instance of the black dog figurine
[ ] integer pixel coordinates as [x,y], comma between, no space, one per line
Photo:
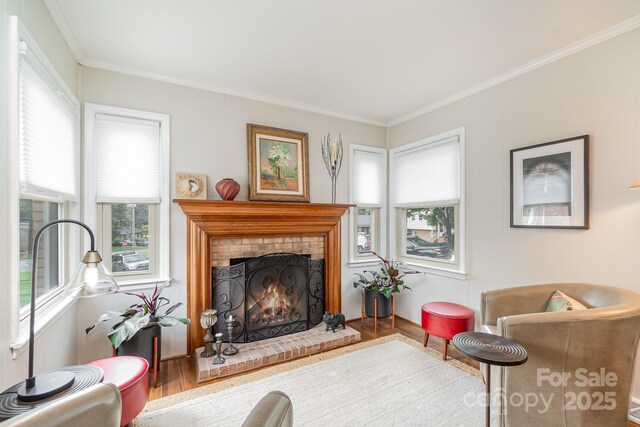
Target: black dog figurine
[333,320]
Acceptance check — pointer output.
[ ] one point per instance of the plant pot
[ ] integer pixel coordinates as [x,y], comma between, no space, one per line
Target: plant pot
[141,344]
[384,303]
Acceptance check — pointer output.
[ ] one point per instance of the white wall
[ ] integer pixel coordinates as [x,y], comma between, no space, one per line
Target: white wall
[57,346]
[208,135]
[595,92]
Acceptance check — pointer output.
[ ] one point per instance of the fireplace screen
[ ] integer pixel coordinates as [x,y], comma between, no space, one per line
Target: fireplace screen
[269,296]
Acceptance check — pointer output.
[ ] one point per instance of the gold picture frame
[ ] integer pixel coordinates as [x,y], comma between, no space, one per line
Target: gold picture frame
[278,164]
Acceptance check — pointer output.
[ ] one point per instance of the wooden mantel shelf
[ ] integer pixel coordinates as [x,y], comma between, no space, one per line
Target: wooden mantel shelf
[219,219]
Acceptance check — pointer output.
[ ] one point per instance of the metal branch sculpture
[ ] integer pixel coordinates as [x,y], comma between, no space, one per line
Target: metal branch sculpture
[332,155]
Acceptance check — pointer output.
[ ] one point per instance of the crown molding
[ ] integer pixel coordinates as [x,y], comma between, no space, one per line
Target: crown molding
[282,102]
[611,32]
[63,25]
[578,46]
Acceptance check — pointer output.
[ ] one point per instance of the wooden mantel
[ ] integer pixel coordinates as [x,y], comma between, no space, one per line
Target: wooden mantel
[218,219]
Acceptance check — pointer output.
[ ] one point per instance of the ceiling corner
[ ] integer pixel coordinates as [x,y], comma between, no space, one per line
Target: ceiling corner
[61,22]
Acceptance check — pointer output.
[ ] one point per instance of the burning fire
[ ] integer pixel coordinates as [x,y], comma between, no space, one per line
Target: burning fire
[271,304]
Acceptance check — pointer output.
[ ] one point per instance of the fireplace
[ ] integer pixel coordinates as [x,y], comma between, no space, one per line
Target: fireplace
[208,221]
[268,296]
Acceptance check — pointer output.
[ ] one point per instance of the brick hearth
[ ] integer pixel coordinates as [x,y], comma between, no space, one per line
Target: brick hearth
[259,354]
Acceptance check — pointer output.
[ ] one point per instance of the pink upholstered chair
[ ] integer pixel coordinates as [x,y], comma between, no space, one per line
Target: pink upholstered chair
[131,375]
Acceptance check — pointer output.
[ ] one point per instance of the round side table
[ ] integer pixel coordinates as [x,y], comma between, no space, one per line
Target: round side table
[492,350]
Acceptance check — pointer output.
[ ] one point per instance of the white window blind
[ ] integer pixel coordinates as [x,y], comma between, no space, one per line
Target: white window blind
[368,178]
[48,133]
[127,159]
[427,174]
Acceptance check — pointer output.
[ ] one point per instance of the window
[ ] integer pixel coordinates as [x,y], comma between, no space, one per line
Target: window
[47,135]
[430,233]
[34,214]
[368,192]
[128,188]
[130,228]
[427,183]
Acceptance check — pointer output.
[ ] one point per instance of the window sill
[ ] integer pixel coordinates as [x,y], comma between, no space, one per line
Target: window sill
[142,284]
[45,317]
[453,274]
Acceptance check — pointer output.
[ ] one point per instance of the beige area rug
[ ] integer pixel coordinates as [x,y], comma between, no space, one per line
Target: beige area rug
[390,381]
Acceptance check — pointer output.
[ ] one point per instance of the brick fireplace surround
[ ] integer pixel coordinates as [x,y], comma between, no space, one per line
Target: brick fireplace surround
[218,231]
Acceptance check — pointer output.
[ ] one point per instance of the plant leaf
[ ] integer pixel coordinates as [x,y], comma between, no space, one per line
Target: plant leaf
[127,329]
[128,312]
[103,318]
[170,321]
[173,307]
[386,291]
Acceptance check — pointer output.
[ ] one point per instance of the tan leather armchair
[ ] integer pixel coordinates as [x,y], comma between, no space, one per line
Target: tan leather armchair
[273,410]
[100,406]
[97,406]
[567,352]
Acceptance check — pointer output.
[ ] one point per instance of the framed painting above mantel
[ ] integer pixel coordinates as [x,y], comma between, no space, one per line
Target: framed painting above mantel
[550,184]
[278,164]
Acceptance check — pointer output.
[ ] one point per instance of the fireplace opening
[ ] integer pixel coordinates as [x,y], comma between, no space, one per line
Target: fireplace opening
[268,296]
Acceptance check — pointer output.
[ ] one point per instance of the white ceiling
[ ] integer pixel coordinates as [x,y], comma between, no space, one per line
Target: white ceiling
[377,61]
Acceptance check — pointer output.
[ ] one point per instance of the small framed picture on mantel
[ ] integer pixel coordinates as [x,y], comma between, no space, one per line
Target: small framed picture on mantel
[550,184]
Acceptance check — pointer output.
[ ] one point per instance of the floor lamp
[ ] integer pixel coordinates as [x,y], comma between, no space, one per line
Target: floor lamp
[91,279]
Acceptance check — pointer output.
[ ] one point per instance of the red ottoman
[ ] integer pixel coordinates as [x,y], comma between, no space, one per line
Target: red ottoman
[445,320]
[131,375]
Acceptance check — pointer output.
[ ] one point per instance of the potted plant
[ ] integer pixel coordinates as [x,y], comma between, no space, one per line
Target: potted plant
[381,285]
[137,325]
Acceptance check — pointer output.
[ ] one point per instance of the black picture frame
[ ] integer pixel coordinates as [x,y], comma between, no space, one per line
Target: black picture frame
[550,184]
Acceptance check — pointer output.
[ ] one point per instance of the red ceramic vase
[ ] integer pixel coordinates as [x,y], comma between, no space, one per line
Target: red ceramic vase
[228,189]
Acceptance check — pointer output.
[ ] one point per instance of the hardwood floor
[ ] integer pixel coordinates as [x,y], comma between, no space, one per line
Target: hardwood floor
[408,329]
[177,375]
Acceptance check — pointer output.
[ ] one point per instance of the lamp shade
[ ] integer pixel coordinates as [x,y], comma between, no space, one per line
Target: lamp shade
[635,184]
[91,278]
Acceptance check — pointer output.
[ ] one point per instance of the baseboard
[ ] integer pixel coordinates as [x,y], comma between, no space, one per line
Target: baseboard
[397,316]
[409,321]
[179,356]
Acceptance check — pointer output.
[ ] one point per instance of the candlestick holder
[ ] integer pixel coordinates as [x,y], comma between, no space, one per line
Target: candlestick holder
[208,318]
[219,360]
[332,155]
[230,350]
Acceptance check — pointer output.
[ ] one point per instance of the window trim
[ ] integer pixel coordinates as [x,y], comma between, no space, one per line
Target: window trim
[381,221]
[459,270]
[162,272]
[55,305]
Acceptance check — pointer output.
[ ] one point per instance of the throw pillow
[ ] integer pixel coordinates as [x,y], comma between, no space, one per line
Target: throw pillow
[562,302]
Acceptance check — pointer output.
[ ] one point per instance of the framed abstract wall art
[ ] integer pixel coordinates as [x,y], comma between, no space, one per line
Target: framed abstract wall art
[550,184]
[278,164]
